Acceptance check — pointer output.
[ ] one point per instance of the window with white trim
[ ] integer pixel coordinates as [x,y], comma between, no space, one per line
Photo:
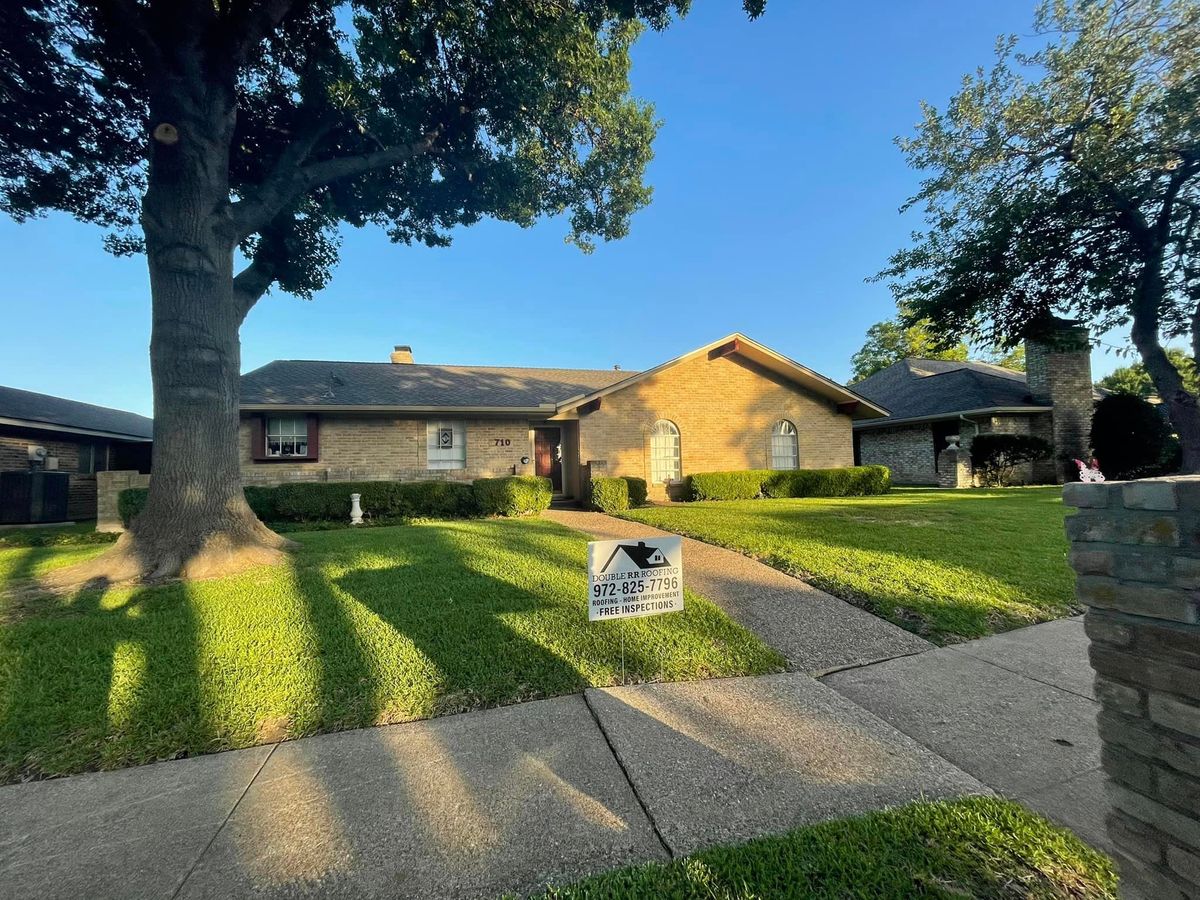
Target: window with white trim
[287,436]
[666,459]
[446,445]
[785,446]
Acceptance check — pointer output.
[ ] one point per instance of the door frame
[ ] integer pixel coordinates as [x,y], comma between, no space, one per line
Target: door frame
[562,476]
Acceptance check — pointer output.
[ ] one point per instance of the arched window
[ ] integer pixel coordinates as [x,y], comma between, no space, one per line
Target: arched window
[785,446]
[666,460]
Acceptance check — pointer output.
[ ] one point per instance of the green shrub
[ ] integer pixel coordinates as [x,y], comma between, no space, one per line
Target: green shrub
[850,481]
[637,490]
[995,456]
[726,485]
[609,495]
[262,501]
[1130,439]
[130,502]
[516,495]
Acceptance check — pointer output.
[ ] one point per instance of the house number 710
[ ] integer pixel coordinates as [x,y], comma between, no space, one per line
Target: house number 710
[503,442]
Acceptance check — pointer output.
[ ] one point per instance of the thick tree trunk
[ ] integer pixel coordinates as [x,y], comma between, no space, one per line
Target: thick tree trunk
[1181,405]
[196,522]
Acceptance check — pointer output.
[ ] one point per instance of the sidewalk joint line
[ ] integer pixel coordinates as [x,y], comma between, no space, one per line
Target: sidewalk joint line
[238,802]
[1049,684]
[629,780]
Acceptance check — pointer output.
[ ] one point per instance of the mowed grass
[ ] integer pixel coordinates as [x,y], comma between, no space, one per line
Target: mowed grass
[949,565]
[980,847]
[364,627]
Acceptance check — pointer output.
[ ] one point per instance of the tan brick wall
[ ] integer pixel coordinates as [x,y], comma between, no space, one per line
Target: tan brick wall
[364,447]
[108,493]
[724,409]
[906,449]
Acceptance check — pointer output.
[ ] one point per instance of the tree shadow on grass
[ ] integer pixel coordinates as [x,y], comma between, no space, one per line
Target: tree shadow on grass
[96,680]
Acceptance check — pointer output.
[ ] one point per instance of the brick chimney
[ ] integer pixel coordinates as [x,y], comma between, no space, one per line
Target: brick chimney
[402,355]
[1058,369]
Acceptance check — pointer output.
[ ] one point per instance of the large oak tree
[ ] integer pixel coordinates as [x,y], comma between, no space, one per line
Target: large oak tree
[1065,181]
[210,134]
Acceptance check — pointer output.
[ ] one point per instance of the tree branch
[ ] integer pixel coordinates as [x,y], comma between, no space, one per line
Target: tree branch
[127,19]
[291,179]
[250,26]
[251,283]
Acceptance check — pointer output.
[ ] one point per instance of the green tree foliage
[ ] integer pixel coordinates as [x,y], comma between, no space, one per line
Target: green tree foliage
[1130,439]
[217,134]
[1013,359]
[1066,181]
[891,341]
[1134,379]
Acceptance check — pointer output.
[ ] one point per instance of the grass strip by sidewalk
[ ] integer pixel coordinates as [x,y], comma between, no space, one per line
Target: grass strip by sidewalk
[364,627]
[948,565]
[981,847]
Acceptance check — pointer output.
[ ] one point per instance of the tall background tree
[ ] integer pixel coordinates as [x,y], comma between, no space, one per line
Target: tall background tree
[1134,379]
[1066,181]
[892,340]
[210,134]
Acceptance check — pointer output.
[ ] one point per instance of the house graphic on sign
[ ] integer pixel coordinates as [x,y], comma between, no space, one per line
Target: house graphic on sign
[640,555]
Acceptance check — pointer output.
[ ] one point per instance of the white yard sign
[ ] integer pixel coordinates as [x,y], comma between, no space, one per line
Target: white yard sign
[640,577]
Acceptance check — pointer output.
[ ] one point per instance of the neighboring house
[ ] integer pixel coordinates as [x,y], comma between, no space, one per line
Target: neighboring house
[931,400]
[78,438]
[733,404]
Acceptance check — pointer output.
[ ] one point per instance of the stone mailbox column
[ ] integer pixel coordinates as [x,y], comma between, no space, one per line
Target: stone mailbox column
[1135,547]
[954,466]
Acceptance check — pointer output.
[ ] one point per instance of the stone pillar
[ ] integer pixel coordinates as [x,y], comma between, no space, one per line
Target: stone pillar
[1135,548]
[954,466]
[108,493]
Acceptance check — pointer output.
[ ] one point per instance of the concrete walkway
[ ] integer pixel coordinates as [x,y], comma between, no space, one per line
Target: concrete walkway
[816,632]
[471,805]
[1016,710]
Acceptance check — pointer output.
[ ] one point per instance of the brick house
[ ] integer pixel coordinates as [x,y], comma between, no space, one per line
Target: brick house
[78,438]
[931,400]
[732,404]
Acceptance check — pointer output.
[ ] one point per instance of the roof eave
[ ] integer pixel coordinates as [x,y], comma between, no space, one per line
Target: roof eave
[71,429]
[986,410]
[546,409]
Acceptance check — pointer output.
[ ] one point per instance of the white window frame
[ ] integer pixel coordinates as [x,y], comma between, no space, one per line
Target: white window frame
[666,453]
[441,457]
[785,446]
[287,430]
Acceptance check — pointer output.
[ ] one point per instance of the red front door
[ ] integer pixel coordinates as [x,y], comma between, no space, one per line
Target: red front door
[547,455]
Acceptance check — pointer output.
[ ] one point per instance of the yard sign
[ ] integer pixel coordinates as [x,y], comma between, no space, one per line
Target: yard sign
[634,578]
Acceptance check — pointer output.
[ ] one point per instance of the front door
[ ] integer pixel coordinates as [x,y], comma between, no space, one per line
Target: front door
[547,455]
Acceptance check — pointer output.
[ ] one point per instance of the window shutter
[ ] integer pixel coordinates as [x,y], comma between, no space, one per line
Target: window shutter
[258,438]
[314,437]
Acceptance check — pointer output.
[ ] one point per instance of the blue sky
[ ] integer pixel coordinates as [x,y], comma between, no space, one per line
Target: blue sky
[776,192]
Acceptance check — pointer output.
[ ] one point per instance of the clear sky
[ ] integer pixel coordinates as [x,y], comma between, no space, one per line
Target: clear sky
[776,184]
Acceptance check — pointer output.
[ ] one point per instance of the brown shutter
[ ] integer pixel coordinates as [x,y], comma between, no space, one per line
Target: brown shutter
[258,438]
[314,437]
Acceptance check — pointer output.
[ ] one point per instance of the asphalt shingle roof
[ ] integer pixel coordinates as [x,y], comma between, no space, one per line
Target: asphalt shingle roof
[917,388]
[42,408]
[302,382]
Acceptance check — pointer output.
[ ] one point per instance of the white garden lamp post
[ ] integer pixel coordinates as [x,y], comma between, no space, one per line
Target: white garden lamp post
[355,509]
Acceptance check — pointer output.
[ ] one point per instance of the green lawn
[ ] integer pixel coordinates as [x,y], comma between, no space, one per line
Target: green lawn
[979,847]
[365,626]
[949,565]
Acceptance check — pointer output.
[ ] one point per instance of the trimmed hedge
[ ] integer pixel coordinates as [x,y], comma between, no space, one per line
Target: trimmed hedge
[517,495]
[851,481]
[609,495]
[614,494]
[329,501]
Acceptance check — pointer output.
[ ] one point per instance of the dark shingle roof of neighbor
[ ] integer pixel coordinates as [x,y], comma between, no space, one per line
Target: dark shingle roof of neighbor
[919,388]
[26,406]
[302,382]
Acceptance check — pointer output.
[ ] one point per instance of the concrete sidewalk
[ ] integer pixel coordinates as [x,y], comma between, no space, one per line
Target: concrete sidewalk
[471,805]
[1016,710]
[815,631]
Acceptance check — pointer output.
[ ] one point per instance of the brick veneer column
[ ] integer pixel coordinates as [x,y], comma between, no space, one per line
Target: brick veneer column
[954,468]
[1135,548]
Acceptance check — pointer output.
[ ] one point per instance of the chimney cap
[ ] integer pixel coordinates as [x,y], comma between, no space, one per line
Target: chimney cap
[402,354]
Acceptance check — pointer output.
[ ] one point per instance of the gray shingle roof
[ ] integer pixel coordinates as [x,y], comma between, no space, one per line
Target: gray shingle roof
[920,388]
[302,382]
[27,406]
